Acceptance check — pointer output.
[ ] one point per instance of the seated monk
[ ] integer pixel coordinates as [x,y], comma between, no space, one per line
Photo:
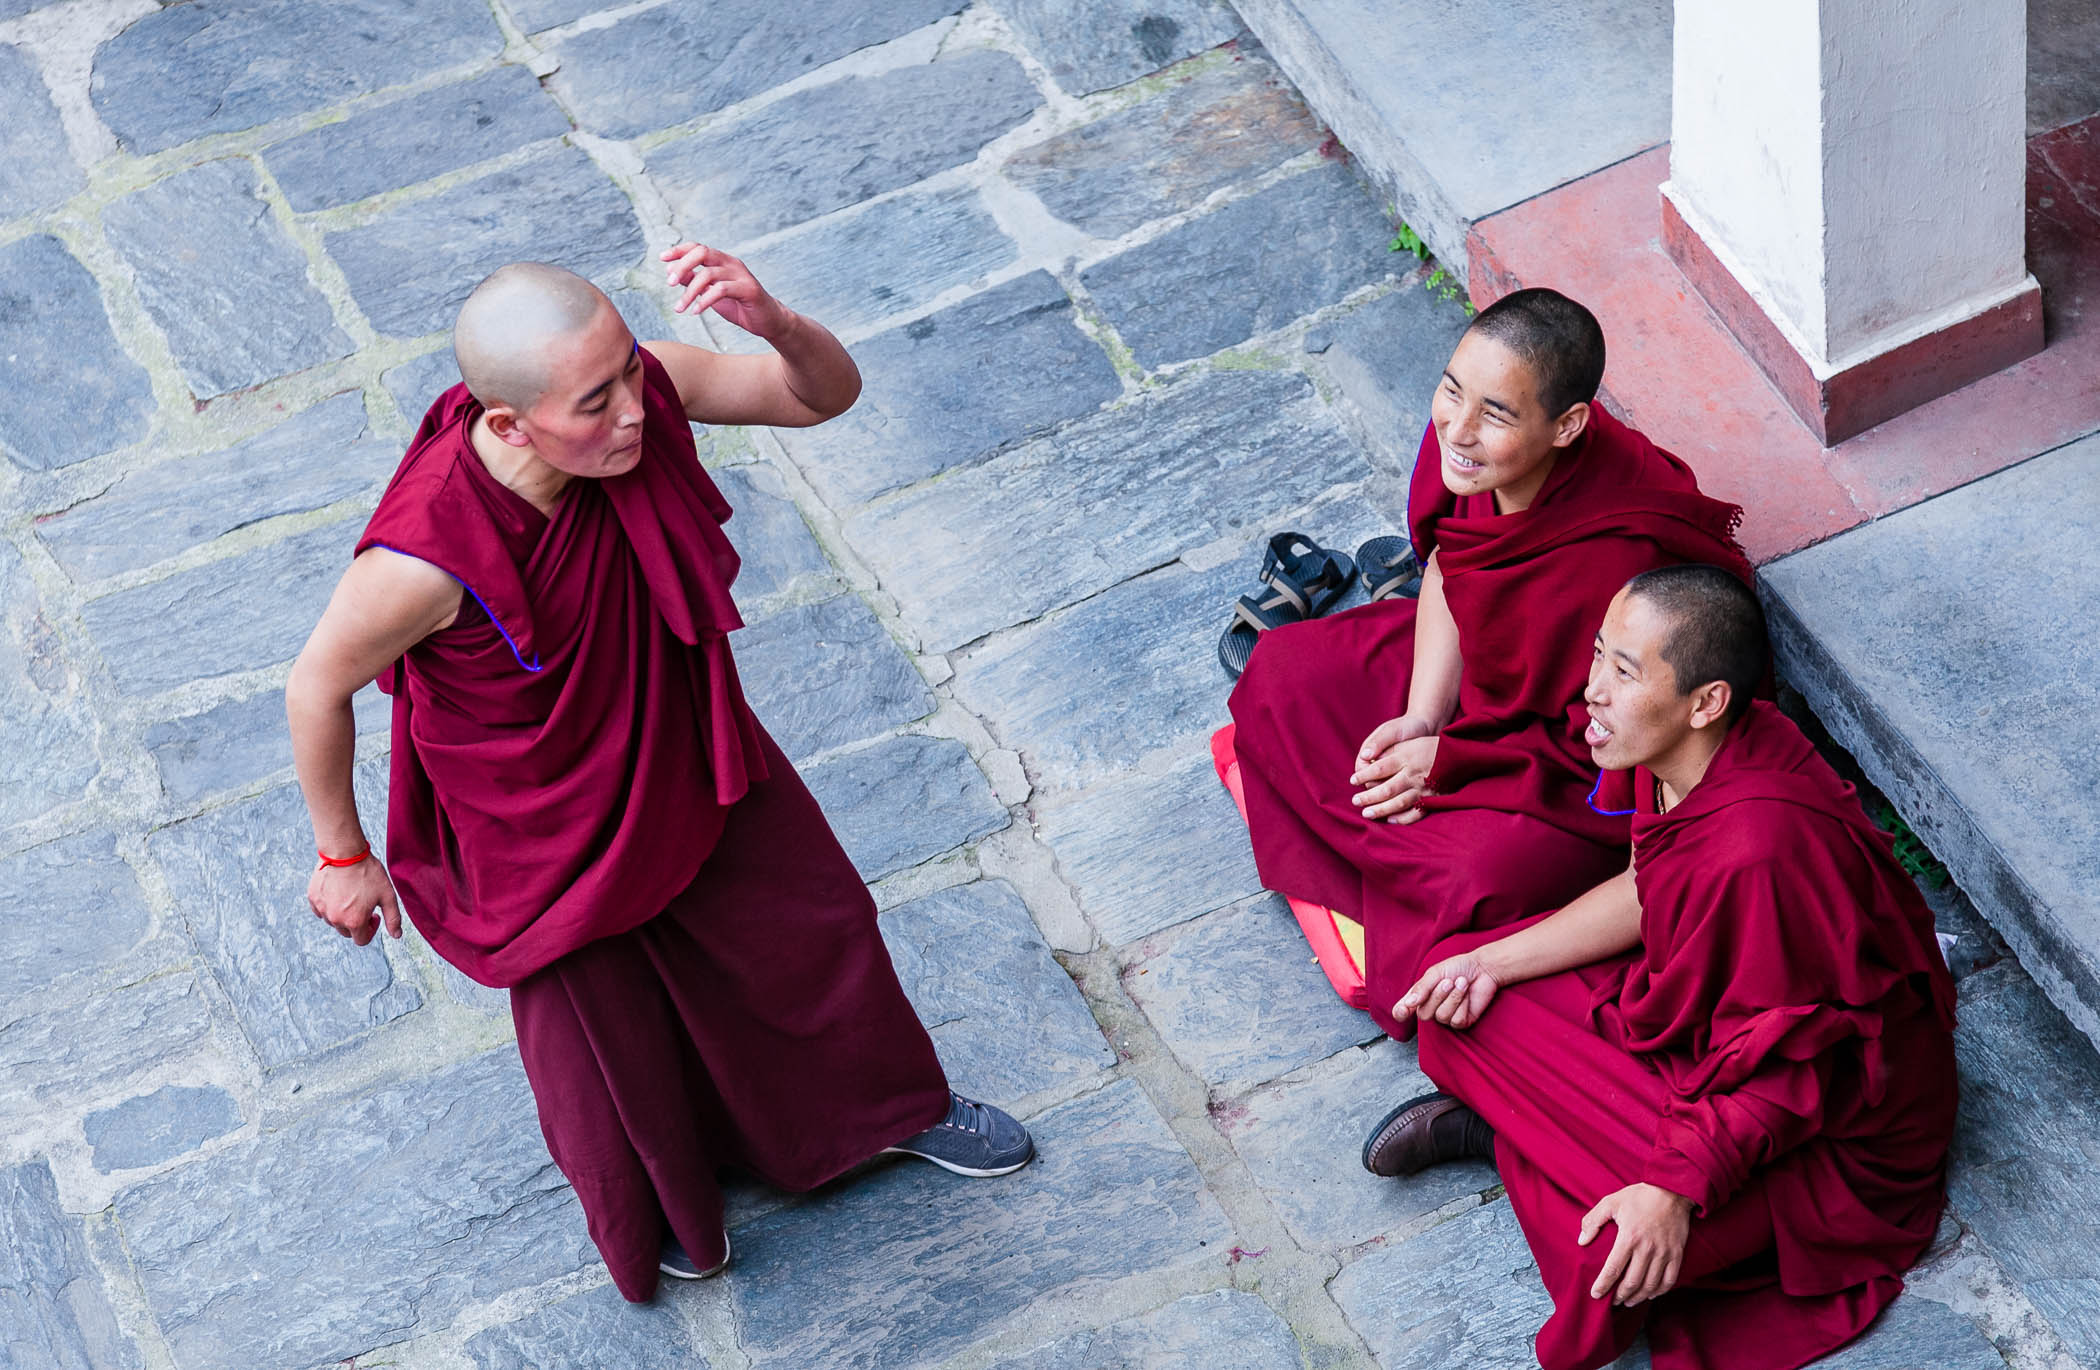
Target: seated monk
[582,806]
[1417,765]
[1737,1133]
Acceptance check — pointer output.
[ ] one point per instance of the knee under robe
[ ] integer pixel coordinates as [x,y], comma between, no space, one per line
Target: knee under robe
[583,808]
[1779,1050]
[1509,830]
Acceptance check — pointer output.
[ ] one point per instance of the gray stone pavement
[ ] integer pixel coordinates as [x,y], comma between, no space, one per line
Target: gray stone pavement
[1120,317]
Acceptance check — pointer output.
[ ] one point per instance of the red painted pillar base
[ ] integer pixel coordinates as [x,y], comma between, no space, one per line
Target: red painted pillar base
[1878,388]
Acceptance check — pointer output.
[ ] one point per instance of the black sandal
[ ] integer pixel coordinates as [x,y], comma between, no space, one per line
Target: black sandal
[1388,567]
[1304,580]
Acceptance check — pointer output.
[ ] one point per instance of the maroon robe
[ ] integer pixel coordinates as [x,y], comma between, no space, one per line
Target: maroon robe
[1509,831]
[1779,1050]
[584,808]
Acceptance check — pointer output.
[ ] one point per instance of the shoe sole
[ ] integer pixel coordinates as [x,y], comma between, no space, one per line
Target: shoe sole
[706,1274]
[953,1169]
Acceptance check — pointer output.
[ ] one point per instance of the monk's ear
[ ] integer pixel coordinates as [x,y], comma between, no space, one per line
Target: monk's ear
[1569,425]
[1710,703]
[502,420]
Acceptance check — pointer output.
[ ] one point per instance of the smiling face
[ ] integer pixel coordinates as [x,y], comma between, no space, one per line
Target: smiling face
[1638,717]
[588,420]
[1492,430]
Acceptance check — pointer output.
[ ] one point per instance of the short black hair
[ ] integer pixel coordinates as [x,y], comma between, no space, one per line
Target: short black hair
[1716,629]
[1558,339]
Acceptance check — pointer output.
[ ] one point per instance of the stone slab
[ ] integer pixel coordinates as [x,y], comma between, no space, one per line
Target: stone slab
[997,367]
[1465,1293]
[55,1313]
[309,461]
[1222,1330]
[596,1327]
[1170,153]
[238,877]
[1148,644]
[1239,999]
[925,243]
[1058,519]
[1228,259]
[904,801]
[226,285]
[776,545]
[1151,850]
[687,58]
[1302,1139]
[73,907]
[1909,686]
[411,268]
[909,1266]
[385,147]
[240,742]
[151,1129]
[837,144]
[213,66]
[2030,1108]
[2062,85]
[1006,1018]
[1572,86]
[388,1212]
[1388,358]
[1095,45]
[73,392]
[1914,1332]
[823,675]
[47,734]
[470,994]
[205,621]
[57,1053]
[37,170]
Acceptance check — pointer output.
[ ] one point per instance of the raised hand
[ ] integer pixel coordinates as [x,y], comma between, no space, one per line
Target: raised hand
[1454,992]
[715,280]
[1648,1251]
[1393,767]
[344,897]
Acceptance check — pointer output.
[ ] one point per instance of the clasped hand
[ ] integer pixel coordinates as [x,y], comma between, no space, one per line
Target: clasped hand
[1648,1252]
[1392,769]
[344,897]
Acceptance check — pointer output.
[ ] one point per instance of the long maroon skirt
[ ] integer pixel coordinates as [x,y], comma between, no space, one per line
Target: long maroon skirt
[1309,697]
[756,1022]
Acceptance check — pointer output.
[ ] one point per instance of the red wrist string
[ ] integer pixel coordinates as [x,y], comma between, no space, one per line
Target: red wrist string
[328,860]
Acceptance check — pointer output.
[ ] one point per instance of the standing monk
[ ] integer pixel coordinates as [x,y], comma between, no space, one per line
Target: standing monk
[1753,1109]
[583,808]
[1418,766]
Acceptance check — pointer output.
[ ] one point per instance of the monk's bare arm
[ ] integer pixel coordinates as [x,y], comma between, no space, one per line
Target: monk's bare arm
[384,604]
[1393,765]
[1432,693]
[1595,926]
[807,377]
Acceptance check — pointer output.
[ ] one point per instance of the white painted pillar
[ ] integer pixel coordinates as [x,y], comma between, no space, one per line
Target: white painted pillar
[1848,191]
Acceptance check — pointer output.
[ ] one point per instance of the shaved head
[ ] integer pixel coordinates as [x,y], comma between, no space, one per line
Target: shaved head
[1716,628]
[511,326]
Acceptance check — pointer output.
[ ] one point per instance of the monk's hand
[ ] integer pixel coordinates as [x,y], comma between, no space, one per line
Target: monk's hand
[715,280]
[345,897]
[1392,769]
[1648,1252]
[1455,992]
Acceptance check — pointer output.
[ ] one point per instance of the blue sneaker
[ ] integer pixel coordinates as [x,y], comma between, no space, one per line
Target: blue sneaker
[673,1261]
[974,1139]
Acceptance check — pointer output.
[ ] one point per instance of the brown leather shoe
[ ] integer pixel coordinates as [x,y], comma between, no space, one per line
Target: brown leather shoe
[1426,1131]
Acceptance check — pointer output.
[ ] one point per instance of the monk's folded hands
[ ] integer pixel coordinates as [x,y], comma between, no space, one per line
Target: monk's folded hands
[1393,769]
[1648,1251]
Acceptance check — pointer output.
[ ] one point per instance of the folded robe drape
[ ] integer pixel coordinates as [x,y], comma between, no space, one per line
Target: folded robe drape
[1509,831]
[1779,1050]
[584,808]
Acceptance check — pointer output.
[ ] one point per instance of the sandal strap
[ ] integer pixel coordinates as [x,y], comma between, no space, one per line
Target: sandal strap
[1263,614]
